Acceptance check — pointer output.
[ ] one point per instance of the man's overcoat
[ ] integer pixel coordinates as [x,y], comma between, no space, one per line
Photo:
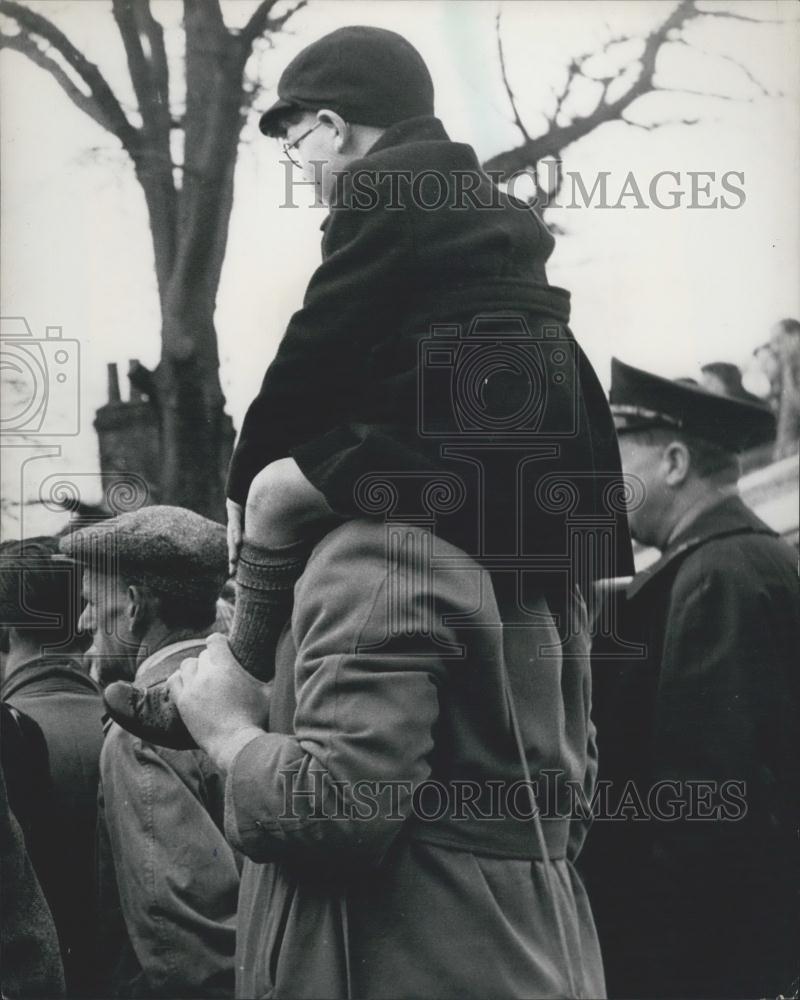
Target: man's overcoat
[695,882]
[366,879]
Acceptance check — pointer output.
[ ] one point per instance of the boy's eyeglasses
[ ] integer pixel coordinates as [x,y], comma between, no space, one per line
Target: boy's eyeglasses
[289,146]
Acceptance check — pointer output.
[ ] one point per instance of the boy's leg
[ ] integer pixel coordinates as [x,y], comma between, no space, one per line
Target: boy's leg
[283,517]
[284,514]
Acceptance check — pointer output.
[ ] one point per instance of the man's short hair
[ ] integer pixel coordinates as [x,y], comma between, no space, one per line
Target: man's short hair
[39,590]
[709,460]
[179,612]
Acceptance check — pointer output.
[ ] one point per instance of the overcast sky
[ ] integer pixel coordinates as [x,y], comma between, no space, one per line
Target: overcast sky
[667,289]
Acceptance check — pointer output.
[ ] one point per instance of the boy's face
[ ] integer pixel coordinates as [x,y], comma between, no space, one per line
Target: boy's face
[316,141]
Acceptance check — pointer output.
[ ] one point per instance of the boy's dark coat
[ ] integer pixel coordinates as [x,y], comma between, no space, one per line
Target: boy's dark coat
[347,394]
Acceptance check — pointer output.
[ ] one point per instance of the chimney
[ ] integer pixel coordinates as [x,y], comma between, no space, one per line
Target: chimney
[113,384]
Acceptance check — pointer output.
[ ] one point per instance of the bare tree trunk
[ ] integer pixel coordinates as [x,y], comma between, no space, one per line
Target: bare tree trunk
[195,432]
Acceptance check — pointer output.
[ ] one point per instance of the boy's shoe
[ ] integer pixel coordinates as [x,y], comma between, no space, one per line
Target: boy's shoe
[149,713]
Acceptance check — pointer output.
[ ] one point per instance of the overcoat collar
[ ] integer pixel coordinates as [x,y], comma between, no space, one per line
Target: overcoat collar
[424,128]
[729,517]
[48,673]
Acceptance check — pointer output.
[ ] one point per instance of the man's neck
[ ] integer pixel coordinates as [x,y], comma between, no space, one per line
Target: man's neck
[697,503]
[23,653]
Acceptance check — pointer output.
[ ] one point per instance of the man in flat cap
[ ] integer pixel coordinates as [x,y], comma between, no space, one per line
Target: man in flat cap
[694,883]
[151,579]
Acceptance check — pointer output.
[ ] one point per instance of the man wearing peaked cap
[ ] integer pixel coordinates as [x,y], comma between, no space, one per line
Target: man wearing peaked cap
[151,578]
[640,399]
[700,900]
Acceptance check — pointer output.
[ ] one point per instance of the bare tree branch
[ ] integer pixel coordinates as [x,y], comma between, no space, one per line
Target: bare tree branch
[149,72]
[699,93]
[25,45]
[257,24]
[652,126]
[150,78]
[261,23]
[729,59]
[733,16]
[276,23]
[506,84]
[559,136]
[111,116]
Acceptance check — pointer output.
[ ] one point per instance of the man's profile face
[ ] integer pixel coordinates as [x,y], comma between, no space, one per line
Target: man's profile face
[106,618]
[316,151]
[643,459]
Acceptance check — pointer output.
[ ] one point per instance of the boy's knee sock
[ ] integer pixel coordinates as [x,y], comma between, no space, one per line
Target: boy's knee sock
[265,580]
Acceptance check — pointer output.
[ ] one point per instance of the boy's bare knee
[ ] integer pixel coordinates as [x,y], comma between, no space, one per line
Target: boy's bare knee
[270,493]
[281,504]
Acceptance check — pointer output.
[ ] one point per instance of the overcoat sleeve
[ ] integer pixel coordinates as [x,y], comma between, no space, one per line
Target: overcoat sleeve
[341,785]
[308,389]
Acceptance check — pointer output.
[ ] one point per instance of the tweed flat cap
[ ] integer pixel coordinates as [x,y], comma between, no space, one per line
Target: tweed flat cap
[171,549]
[640,399]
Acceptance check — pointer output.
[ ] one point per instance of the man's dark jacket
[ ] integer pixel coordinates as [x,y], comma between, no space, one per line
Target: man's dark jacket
[419,237]
[702,907]
[67,707]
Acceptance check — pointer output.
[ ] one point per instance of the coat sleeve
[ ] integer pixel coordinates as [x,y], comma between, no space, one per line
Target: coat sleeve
[341,785]
[177,877]
[309,387]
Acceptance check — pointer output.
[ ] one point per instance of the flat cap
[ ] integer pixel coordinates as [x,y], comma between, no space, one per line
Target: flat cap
[640,399]
[171,549]
[370,76]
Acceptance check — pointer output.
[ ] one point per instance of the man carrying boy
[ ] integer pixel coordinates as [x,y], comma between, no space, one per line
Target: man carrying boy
[430,367]
[418,240]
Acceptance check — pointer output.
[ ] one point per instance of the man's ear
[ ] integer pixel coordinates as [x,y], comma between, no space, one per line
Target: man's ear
[677,462]
[342,131]
[139,609]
